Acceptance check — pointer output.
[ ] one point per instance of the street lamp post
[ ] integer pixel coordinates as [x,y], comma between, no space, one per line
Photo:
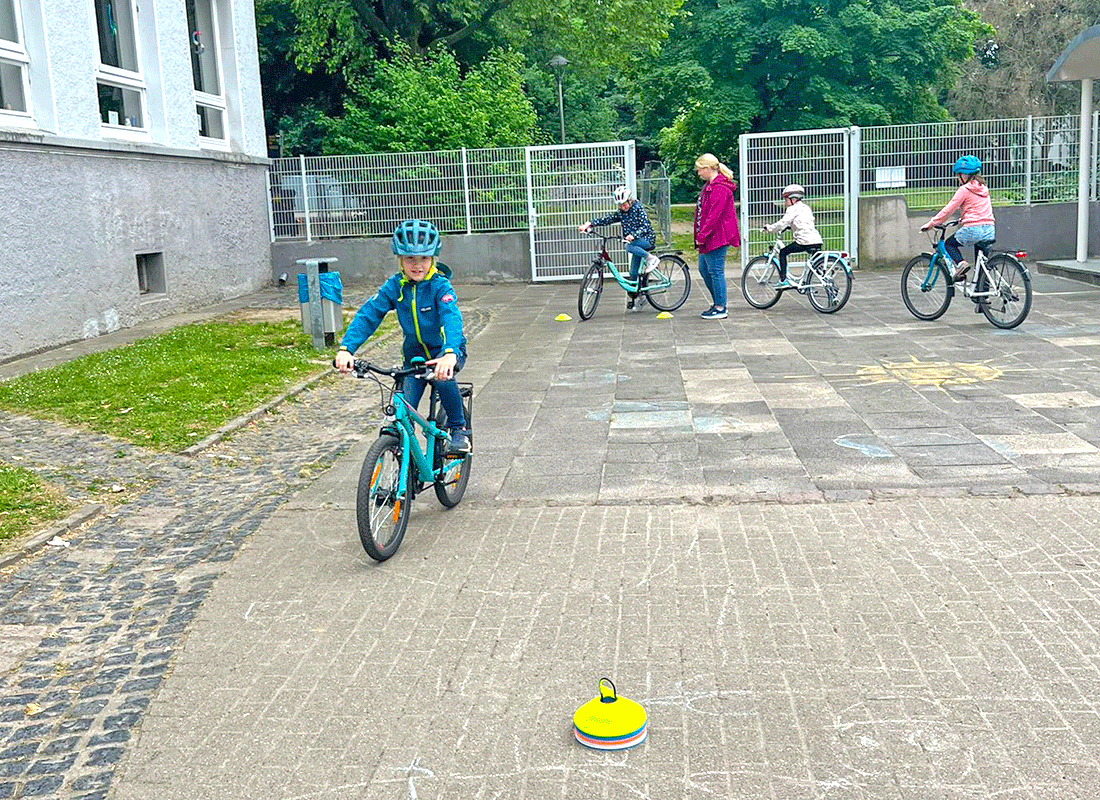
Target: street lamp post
[558,64]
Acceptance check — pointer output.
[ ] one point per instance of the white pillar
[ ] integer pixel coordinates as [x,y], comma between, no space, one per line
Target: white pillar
[1084,145]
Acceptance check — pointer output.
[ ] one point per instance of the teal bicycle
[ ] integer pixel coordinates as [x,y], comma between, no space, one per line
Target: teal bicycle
[1001,289]
[666,286]
[397,468]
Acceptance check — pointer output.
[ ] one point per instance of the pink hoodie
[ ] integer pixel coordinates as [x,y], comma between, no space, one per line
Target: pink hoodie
[976,206]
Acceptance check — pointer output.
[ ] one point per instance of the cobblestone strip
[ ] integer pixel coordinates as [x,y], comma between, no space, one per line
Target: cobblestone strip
[89,631]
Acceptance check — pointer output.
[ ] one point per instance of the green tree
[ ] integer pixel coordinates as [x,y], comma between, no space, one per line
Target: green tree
[424,102]
[736,66]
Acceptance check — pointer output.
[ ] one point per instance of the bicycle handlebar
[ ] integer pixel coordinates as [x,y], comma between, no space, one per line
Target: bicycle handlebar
[361,367]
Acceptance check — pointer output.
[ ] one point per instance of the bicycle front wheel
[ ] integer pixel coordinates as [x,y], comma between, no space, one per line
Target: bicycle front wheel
[451,474]
[830,286]
[591,287]
[927,293]
[382,513]
[668,285]
[1010,304]
[758,283]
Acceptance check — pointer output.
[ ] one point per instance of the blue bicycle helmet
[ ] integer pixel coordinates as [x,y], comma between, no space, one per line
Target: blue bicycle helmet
[967,165]
[415,237]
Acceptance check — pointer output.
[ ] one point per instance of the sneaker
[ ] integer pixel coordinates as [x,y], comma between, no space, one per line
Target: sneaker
[714,313]
[651,262]
[960,270]
[459,444]
[641,301]
[630,304]
[784,284]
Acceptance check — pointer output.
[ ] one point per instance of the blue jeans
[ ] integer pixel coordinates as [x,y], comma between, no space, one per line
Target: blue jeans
[449,396]
[712,266]
[966,236]
[638,250]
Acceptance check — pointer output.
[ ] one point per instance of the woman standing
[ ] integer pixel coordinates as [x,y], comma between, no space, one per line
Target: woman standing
[715,229]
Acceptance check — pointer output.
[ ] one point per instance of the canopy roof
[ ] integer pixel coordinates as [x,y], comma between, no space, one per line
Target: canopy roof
[1080,60]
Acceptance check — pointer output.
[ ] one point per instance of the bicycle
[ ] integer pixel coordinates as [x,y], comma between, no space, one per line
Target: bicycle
[826,279]
[1001,289]
[396,467]
[666,286]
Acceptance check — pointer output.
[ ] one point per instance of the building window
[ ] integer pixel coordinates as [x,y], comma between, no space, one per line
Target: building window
[150,273]
[13,61]
[121,87]
[202,20]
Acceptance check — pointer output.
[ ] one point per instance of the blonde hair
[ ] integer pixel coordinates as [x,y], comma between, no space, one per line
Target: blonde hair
[711,161]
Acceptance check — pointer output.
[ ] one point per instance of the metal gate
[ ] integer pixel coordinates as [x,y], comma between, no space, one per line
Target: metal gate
[825,161]
[567,185]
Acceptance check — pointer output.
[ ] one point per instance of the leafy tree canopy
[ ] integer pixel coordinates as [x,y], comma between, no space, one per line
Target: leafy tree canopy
[424,102]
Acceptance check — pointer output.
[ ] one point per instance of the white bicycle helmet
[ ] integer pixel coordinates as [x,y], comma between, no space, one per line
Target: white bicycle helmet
[794,190]
[622,195]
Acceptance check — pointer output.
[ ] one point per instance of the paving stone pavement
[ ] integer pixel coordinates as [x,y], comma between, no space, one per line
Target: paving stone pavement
[882,631]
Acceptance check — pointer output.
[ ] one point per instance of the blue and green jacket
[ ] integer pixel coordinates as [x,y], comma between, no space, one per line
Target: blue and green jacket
[427,311]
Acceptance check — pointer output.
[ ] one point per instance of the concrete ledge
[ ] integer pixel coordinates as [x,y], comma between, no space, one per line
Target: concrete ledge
[1084,271]
[35,542]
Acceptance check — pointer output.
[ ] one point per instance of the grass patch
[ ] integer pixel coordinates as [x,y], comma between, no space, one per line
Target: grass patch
[26,502]
[172,389]
[683,213]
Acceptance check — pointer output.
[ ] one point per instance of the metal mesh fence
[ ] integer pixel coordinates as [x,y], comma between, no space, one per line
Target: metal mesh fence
[655,193]
[1024,161]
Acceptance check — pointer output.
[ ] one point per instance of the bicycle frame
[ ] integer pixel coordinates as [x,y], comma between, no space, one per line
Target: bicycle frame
[627,284]
[816,261]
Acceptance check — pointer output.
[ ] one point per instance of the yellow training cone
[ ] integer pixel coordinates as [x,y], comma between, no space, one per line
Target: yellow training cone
[562,318]
[610,722]
[664,315]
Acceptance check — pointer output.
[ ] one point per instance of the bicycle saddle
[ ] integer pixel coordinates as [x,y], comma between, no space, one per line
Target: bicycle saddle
[984,245]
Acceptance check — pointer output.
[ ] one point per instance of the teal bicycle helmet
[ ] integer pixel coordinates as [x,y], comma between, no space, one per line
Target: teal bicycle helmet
[415,237]
[967,165]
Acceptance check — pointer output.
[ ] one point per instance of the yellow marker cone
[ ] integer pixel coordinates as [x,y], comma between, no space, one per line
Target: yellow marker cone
[562,318]
[664,315]
[610,722]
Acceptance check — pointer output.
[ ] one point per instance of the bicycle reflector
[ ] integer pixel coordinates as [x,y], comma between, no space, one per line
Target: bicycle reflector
[1021,254]
[843,255]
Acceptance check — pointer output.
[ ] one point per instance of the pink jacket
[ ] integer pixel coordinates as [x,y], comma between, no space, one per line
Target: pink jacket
[716,216]
[977,209]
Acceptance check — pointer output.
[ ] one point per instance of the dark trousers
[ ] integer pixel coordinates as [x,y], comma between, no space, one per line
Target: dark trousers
[793,247]
[449,396]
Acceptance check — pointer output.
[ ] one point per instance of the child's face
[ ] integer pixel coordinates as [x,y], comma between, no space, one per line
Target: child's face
[415,267]
[624,206]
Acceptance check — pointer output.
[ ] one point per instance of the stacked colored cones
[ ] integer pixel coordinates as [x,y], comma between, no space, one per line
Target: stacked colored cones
[610,722]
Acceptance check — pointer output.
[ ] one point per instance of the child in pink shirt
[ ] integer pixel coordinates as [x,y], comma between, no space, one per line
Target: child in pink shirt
[977,224]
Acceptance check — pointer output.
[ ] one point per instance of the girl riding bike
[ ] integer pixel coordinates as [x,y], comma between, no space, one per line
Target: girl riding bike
[800,219]
[977,223]
[638,235]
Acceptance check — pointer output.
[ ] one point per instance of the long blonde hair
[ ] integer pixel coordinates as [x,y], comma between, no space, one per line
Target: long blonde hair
[711,161]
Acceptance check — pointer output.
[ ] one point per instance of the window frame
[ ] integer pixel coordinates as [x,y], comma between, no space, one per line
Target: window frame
[15,54]
[120,78]
[215,102]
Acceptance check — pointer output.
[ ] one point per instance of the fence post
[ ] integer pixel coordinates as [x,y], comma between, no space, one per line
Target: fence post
[742,177]
[1029,146]
[855,139]
[530,208]
[270,204]
[466,191]
[305,197]
[1095,121]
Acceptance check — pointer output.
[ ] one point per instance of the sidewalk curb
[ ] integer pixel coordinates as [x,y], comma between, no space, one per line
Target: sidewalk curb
[33,543]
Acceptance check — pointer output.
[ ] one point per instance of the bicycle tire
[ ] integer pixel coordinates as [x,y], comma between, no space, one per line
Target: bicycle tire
[828,291]
[670,297]
[996,309]
[382,517]
[932,308]
[758,275]
[450,488]
[591,287]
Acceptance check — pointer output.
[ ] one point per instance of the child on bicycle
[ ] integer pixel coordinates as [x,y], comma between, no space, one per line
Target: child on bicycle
[977,224]
[427,310]
[799,217]
[638,234]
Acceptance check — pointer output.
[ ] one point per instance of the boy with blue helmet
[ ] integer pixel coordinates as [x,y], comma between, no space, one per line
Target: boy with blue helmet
[427,310]
[972,197]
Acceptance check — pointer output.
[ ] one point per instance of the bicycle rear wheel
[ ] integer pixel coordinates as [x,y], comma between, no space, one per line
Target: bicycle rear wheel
[830,285]
[591,287]
[926,294]
[758,283]
[452,474]
[673,295]
[1012,301]
[381,513]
